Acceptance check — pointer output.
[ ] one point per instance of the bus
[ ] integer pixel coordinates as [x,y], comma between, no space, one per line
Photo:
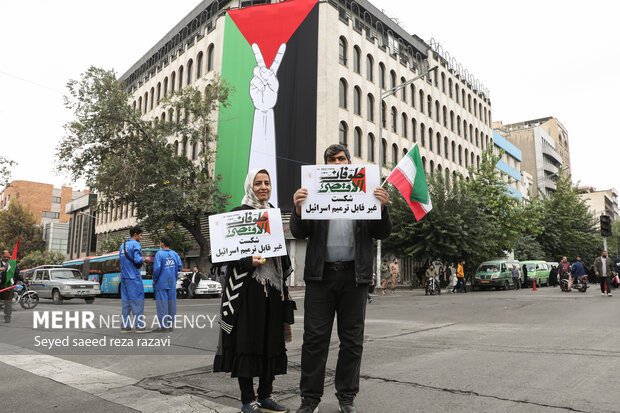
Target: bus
[106,269]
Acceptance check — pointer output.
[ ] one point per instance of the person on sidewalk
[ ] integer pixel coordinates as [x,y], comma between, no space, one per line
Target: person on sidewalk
[7,296]
[338,270]
[385,276]
[576,270]
[460,277]
[132,289]
[604,270]
[394,274]
[166,267]
[516,276]
[252,334]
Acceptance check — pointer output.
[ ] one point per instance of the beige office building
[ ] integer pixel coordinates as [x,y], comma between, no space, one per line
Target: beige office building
[361,53]
[603,202]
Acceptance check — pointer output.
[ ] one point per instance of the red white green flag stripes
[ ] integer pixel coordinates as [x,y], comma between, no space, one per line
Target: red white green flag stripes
[12,265]
[409,178]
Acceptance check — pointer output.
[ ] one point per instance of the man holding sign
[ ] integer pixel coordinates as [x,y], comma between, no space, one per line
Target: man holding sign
[338,270]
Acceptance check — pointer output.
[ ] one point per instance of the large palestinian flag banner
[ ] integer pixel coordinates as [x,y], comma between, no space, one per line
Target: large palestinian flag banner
[270,59]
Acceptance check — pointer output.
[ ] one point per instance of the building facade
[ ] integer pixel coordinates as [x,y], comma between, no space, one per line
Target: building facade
[43,200]
[510,165]
[603,202]
[333,77]
[81,237]
[540,157]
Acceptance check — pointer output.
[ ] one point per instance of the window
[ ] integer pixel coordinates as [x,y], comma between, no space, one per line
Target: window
[165,87]
[414,130]
[49,214]
[450,87]
[393,81]
[444,112]
[190,67]
[158,92]
[370,108]
[458,125]
[456,89]
[342,134]
[438,144]
[460,155]
[445,147]
[369,68]
[152,97]
[394,154]
[422,132]
[381,76]
[443,82]
[452,121]
[403,91]
[357,101]
[199,66]
[437,111]
[184,148]
[412,87]
[383,114]
[357,144]
[343,94]
[357,60]
[342,51]
[180,77]
[176,147]
[404,122]
[210,58]
[194,151]
[383,152]
[371,147]
[172,81]
[453,151]
[430,139]
[421,101]
[393,123]
[429,105]
[55,200]
[146,102]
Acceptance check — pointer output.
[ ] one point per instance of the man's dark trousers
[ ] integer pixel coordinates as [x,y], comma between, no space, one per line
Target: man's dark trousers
[7,300]
[338,294]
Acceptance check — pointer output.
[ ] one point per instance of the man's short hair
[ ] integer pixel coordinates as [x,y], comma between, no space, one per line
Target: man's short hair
[334,149]
[166,241]
[135,231]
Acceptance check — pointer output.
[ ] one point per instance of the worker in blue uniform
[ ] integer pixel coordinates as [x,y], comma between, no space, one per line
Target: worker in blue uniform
[166,267]
[132,290]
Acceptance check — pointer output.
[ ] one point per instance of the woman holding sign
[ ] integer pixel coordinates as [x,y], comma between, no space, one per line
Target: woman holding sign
[253,331]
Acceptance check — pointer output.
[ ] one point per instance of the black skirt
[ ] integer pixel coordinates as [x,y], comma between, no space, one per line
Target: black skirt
[255,347]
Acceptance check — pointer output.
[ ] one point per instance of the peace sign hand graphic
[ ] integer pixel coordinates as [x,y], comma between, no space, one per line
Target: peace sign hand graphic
[264,85]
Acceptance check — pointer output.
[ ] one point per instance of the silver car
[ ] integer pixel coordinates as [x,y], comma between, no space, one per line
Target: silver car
[61,283]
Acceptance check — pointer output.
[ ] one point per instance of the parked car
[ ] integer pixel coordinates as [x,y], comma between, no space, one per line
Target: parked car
[61,283]
[206,286]
[495,273]
[537,270]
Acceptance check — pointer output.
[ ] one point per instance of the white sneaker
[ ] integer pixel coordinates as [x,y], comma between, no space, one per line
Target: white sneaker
[608,294]
[603,294]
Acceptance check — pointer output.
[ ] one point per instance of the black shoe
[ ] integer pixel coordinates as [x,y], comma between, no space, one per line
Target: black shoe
[252,407]
[346,406]
[270,405]
[308,407]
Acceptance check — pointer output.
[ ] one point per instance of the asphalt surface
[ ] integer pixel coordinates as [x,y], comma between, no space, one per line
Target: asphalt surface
[489,351]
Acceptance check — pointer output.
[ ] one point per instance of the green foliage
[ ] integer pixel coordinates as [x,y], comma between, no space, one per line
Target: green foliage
[111,243]
[569,227]
[527,248]
[18,221]
[37,258]
[476,219]
[5,170]
[128,159]
[179,239]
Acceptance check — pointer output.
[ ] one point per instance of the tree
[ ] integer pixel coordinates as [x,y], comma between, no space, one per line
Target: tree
[127,159]
[111,243]
[5,170]
[18,221]
[569,227]
[527,248]
[37,258]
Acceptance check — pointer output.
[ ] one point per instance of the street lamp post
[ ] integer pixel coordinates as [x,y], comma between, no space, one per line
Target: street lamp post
[382,96]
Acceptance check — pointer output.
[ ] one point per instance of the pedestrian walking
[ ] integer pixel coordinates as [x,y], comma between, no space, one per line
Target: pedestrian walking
[166,267]
[7,296]
[252,335]
[526,281]
[553,276]
[394,274]
[603,268]
[460,277]
[516,276]
[385,276]
[195,280]
[338,269]
[132,289]
[448,276]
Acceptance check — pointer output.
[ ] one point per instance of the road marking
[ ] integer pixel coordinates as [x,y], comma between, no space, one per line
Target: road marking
[105,384]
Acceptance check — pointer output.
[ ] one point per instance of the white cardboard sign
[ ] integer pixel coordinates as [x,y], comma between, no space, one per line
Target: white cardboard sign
[340,192]
[239,234]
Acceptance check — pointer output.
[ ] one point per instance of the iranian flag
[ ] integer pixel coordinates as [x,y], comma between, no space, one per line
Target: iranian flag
[12,265]
[409,178]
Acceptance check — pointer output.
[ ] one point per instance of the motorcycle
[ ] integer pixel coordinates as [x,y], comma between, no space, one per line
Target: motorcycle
[26,297]
[580,284]
[432,286]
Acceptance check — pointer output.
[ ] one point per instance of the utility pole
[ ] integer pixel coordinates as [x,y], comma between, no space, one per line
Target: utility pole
[382,96]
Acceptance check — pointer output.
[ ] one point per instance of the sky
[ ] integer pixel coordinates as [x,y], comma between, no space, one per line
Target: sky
[538,58]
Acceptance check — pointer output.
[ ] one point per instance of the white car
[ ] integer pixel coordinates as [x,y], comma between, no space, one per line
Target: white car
[205,286]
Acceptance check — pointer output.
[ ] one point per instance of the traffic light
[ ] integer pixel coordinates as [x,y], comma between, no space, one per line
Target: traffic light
[606,225]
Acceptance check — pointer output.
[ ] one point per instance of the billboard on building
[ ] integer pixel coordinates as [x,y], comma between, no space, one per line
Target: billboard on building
[270,60]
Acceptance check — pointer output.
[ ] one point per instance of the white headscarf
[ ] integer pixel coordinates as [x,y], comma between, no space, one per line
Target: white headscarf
[250,197]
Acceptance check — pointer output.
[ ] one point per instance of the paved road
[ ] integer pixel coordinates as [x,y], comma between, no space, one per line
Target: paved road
[492,351]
